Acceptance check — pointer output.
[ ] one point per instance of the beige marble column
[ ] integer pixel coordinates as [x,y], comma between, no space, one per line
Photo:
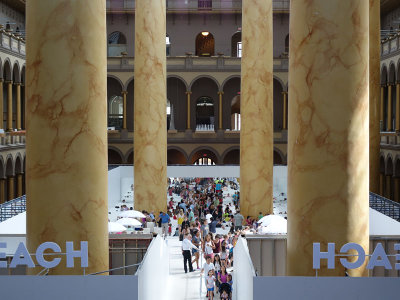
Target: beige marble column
[389,109]
[124,126]
[284,127]
[220,94]
[66,142]
[1,105]
[19,185]
[10,187]
[150,121]
[374,94]
[2,189]
[328,136]
[256,109]
[18,121]
[9,107]
[188,109]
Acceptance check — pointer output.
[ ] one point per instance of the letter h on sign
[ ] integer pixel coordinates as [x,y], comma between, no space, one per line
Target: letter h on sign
[318,255]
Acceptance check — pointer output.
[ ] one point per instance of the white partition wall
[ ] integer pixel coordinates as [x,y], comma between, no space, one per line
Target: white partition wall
[243,271]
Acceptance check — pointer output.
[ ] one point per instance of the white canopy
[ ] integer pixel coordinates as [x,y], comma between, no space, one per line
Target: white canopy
[131,214]
[115,227]
[129,222]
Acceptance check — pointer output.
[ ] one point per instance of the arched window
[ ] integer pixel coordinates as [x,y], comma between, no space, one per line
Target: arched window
[236,44]
[168,114]
[205,114]
[205,44]
[235,113]
[115,112]
[116,44]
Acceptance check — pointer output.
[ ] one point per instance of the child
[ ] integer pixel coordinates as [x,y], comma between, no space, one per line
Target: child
[224,295]
[169,229]
[210,284]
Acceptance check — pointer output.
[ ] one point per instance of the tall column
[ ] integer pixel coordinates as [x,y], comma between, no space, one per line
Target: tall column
[284,127]
[389,109]
[1,105]
[124,126]
[9,106]
[398,107]
[150,136]
[18,121]
[220,94]
[328,131]
[10,187]
[2,189]
[374,94]
[256,134]
[19,185]
[188,109]
[66,141]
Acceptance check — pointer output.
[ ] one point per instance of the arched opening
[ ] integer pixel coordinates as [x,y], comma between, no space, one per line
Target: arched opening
[168,45]
[7,76]
[232,157]
[397,180]
[287,45]
[175,157]
[169,125]
[205,44]
[278,105]
[10,185]
[115,105]
[23,98]
[117,44]
[205,113]
[278,160]
[176,93]
[231,104]
[235,113]
[114,158]
[236,44]
[392,83]
[129,160]
[204,158]
[382,183]
[204,4]
[204,87]
[389,178]
[16,80]
[384,81]
[130,108]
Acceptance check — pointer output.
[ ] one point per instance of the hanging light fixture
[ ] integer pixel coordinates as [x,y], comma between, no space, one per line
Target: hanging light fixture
[205,33]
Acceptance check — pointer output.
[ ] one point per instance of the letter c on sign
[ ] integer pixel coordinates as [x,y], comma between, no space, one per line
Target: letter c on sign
[361,256]
[47,263]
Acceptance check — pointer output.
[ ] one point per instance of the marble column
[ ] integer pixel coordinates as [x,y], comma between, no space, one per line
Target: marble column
[220,94]
[389,109]
[1,105]
[66,123]
[2,190]
[284,127]
[256,109]
[10,187]
[19,185]
[124,126]
[188,109]
[328,140]
[9,107]
[18,121]
[374,94]
[398,107]
[150,121]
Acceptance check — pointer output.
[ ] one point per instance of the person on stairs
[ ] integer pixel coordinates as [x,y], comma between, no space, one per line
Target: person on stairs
[187,247]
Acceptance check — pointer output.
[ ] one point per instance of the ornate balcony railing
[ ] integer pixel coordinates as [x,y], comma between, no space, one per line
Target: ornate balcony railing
[12,208]
[385,206]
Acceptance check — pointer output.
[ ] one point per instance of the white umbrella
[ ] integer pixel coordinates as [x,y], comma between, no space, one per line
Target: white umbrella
[131,214]
[276,227]
[267,220]
[115,227]
[129,222]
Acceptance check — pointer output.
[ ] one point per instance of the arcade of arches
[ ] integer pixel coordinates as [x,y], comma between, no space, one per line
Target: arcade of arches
[12,175]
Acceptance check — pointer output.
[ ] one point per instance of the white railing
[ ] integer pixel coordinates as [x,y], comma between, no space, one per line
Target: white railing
[243,271]
[154,270]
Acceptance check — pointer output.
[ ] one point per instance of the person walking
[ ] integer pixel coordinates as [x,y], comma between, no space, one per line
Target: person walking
[164,223]
[187,247]
[238,220]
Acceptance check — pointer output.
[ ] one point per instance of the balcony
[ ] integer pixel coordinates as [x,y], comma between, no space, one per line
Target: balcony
[201,6]
[12,139]
[193,64]
[390,46]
